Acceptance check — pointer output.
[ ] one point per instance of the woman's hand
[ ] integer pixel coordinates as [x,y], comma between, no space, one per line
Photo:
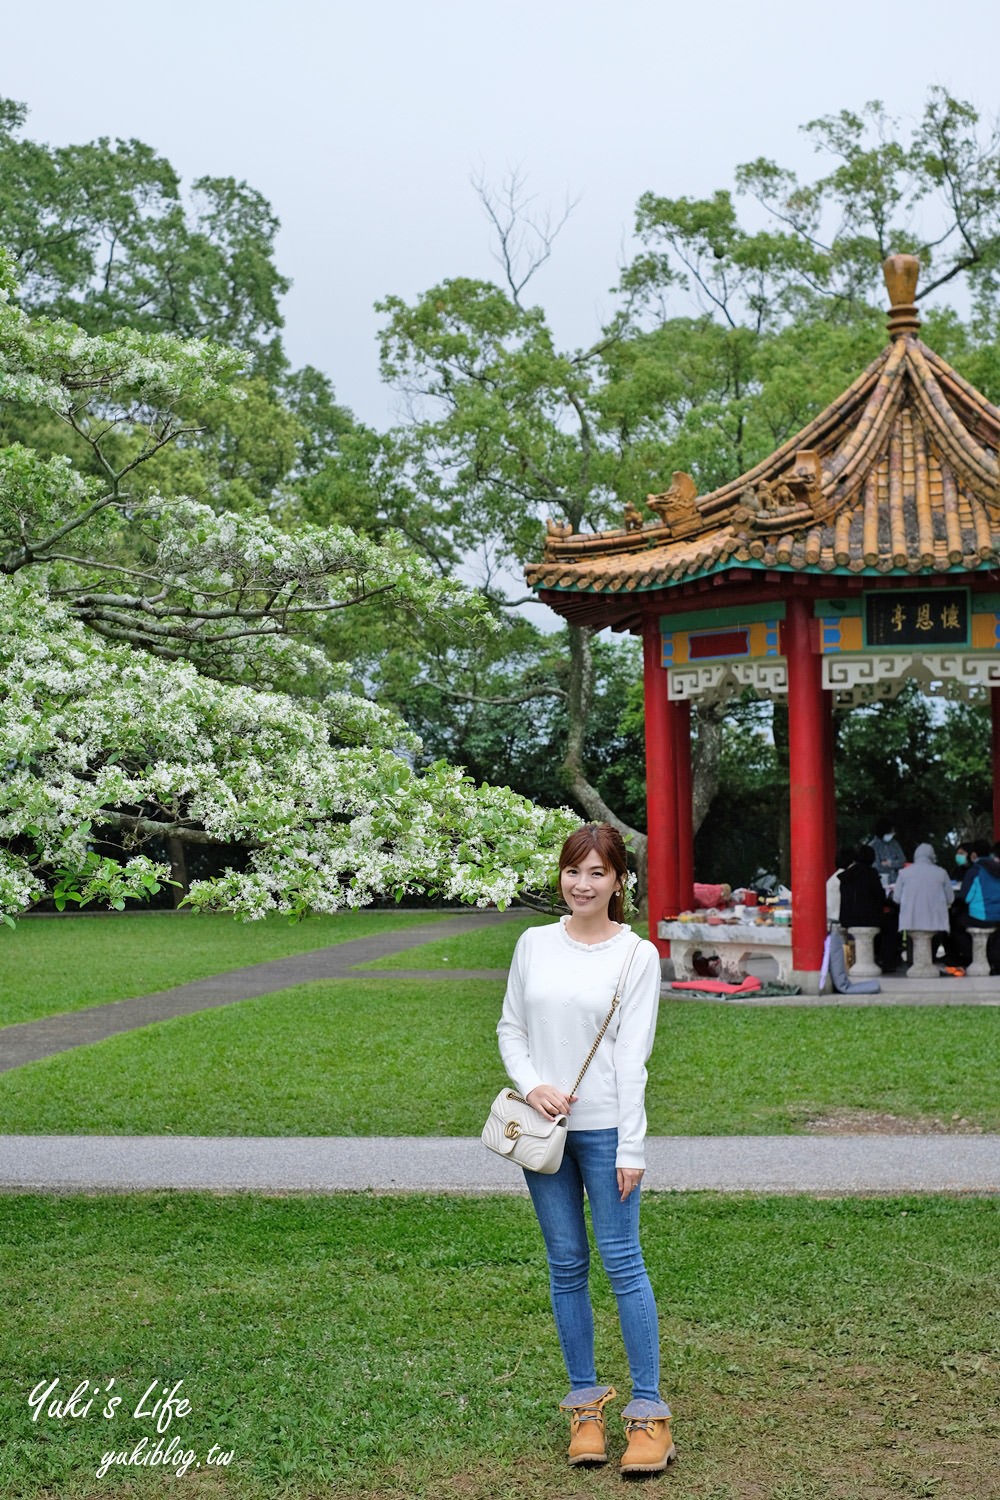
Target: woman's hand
[628,1178]
[550,1101]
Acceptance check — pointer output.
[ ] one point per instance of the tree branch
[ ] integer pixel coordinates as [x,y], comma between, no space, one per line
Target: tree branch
[579,696]
[150,828]
[32,551]
[510,234]
[108,606]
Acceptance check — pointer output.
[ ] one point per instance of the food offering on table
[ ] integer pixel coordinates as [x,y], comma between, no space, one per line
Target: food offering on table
[719,905]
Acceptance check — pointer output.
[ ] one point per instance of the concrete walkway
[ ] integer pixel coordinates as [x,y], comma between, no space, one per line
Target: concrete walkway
[837,1165]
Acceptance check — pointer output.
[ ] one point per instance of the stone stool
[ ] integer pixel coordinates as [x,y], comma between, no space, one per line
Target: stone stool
[864,965]
[923,966]
[980,964]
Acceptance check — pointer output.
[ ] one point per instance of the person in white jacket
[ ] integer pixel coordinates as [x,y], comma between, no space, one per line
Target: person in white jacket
[561,983]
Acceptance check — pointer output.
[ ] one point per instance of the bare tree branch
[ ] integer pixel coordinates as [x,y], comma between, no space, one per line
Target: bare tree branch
[513,226]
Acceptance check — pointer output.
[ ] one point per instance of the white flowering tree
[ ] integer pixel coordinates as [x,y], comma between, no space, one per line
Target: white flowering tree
[157,679]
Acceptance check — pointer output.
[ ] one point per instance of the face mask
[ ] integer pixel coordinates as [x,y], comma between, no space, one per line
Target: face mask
[961,859]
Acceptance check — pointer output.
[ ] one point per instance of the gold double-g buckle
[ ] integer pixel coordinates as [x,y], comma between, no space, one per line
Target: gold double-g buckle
[512,1130]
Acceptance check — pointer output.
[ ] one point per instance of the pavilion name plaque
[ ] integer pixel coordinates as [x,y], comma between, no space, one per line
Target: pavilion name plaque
[939,617]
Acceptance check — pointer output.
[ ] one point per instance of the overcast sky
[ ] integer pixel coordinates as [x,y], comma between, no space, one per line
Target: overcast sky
[362,123]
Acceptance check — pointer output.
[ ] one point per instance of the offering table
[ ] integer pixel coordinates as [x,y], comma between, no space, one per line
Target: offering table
[731,943]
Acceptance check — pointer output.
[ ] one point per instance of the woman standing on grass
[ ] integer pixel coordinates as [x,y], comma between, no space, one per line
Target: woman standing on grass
[562,980]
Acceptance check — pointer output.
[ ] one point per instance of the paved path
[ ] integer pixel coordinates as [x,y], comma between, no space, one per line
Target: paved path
[838,1165]
[30,1040]
[768,1164]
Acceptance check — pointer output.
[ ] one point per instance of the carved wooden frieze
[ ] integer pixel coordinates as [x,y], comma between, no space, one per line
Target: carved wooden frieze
[874,677]
[719,682]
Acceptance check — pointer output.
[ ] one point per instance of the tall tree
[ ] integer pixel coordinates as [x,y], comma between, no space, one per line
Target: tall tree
[504,428]
[144,648]
[726,339]
[105,235]
[101,235]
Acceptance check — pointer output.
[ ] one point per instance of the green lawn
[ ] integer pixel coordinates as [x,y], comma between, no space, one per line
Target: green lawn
[361,1347]
[484,948]
[49,965]
[402,1056]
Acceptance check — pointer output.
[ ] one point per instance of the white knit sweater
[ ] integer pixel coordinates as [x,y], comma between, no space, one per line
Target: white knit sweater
[558,993]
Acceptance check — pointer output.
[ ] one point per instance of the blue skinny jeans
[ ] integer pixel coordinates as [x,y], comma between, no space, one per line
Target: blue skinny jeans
[588,1166]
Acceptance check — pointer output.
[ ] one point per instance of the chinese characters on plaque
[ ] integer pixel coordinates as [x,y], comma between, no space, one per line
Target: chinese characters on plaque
[935,618]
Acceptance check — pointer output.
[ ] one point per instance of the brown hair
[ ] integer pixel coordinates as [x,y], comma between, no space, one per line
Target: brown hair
[607,842]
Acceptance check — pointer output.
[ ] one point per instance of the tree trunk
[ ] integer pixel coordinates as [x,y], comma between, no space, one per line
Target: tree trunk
[580,690]
[707,752]
[177,855]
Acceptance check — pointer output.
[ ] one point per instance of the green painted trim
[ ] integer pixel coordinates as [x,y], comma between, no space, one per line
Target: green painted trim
[731,614]
[986,604]
[932,650]
[837,609]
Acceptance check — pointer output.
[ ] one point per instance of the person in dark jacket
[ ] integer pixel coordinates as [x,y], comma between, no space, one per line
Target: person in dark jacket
[981,886]
[958,953]
[889,856]
[863,904]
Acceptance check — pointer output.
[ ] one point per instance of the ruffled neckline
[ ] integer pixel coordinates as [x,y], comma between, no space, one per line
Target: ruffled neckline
[623,931]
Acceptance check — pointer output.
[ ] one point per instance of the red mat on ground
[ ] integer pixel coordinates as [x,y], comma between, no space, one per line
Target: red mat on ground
[717,986]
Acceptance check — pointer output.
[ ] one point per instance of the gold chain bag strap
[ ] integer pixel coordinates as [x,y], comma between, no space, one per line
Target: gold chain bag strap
[523,1135]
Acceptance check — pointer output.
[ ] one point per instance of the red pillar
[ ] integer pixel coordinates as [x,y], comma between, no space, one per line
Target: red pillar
[807,787]
[995,766]
[685,828]
[661,782]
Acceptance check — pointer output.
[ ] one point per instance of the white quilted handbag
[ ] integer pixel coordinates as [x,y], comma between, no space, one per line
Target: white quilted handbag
[527,1138]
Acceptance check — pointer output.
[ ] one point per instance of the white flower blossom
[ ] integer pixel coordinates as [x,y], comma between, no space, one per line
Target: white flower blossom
[140,685]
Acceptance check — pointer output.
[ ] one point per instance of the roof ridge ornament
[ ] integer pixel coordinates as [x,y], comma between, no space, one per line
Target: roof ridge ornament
[785,502]
[676,508]
[901,273]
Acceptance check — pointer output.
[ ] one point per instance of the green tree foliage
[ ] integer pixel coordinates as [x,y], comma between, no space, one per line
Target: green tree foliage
[924,762]
[101,236]
[741,315]
[144,644]
[105,236]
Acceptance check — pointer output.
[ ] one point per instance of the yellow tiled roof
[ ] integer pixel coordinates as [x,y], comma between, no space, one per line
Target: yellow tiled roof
[898,476]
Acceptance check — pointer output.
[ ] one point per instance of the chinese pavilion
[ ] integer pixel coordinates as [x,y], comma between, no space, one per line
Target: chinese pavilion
[860,555]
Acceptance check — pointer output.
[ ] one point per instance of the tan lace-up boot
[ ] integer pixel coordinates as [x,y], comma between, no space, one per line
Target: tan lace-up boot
[588,1437]
[650,1446]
